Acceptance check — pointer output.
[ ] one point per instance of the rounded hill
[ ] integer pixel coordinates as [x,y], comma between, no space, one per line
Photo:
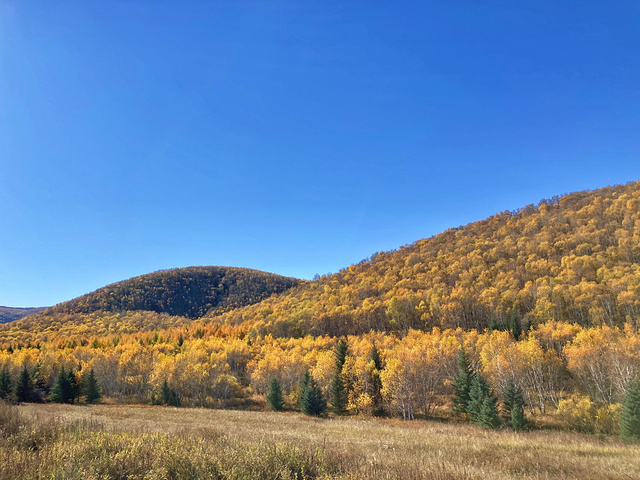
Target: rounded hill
[189,292]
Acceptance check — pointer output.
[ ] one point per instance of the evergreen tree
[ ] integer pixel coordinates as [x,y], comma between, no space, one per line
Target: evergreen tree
[515,327]
[338,392]
[63,388]
[493,325]
[375,366]
[630,416]
[341,353]
[168,396]
[5,382]
[274,396]
[90,388]
[24,387]
[488,414]
[462,384]
[513,407]
[313,403]
[302,387]
[478,393]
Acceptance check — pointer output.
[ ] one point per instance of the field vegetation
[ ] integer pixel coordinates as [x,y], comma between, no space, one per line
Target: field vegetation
[115,441]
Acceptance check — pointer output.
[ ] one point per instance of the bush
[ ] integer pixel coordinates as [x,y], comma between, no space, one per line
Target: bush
[583,415]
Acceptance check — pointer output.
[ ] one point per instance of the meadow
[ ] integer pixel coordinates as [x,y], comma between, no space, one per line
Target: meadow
[55,441]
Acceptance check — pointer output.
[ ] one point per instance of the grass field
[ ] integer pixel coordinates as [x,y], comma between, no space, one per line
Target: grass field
[112,441]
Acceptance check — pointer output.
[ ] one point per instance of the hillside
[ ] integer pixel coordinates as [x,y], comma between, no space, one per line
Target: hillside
[572,258]
[9,314]
[159,300]
[189,292]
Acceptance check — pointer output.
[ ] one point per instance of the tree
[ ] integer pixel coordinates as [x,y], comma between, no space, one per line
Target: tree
[312,402]
[462,384]
[168,396]
[302,387]
[482,404]
[24,387]
[375,367]
[90,388]
[5,382]
[630,416]
[338,393]
[515,327]
[513,407]
[64,388]
[274,396]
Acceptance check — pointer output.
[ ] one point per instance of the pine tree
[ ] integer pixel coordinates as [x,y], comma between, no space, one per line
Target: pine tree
[513,407]
[478,393]
[462,384]
[302,387]
[630,416]
[63,388]
[375,367]
[338,392]
[493,325]
[313,403]
[90,388]
[275,399]
[488,415]
[168,396]
[24,387]
[5,382]
[515,327]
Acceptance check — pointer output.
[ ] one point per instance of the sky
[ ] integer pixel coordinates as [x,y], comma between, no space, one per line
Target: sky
[295,137]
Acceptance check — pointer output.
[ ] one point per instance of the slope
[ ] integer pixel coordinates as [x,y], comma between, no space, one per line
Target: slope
[9,314]
[572,258]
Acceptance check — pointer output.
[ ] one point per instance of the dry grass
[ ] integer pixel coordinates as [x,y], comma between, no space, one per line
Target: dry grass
[308,447]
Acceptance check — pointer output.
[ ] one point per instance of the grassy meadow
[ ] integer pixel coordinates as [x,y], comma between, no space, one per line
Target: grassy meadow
[55,441]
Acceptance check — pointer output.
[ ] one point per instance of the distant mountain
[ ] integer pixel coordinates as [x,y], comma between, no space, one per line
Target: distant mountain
[189,292]
[9,314]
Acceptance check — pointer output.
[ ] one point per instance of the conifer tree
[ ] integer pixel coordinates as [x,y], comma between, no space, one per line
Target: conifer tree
[515,327]
[630,416]
[63,388]
[313,403]
[375,367]
[493,325]
[338,392]
[168,396]
[5,382]
[513,407]
[24,386]
[90,388]
[479,409]
[302,387]
[462,384]
[275,399]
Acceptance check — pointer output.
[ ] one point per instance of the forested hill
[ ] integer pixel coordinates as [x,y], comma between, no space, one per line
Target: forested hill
[9,314]
[572,258]
[189,292]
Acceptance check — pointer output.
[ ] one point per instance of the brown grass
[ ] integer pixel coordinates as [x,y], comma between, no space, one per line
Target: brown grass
[351,448]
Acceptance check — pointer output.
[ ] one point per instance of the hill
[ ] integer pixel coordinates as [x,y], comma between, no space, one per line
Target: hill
[189,292]
[572,258]
[9,314]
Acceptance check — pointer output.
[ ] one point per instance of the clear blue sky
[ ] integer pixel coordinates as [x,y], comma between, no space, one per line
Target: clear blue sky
[295,137]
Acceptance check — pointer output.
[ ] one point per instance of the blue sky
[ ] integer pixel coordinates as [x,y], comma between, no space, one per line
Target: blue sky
[293,137]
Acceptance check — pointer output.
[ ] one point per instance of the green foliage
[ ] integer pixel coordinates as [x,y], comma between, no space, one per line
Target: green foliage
[462,384]
[168,396]
[513,407]
[275,399]
[24,387]
[338,395]
[375,383]
[482,408]
[65,388]
[90,388]
[630,415]
[341,353]
[515,327]
[5,382]
[311,400]
[302,387]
